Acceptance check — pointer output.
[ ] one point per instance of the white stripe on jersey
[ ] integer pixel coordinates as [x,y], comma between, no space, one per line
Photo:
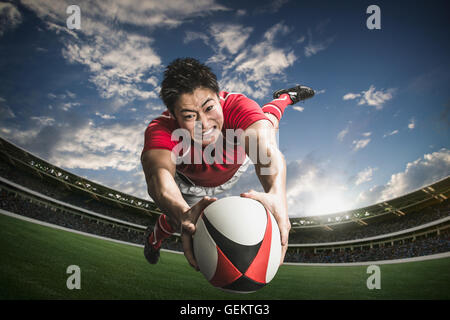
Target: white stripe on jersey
[230,93]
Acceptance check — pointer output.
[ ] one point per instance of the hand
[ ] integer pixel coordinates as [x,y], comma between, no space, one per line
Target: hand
[277,206]
[188,222]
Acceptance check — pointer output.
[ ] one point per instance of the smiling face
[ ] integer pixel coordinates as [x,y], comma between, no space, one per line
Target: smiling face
[201,114]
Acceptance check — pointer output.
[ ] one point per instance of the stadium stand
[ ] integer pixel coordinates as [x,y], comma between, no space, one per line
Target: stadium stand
[431,243]
[410,226]
[384,225]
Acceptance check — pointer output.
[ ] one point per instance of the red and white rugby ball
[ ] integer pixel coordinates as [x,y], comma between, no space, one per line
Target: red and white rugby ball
[237,244]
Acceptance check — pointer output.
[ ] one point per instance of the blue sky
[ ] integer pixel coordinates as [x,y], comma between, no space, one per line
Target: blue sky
[377,128]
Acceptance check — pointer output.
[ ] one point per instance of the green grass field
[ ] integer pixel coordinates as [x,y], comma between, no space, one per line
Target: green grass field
[34,260]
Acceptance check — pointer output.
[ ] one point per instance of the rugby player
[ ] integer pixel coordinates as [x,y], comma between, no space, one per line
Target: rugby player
[183,181]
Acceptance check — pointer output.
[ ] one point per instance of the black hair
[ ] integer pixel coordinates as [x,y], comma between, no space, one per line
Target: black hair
[184,75]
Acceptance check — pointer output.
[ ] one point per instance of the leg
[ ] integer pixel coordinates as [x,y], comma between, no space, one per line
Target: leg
[273,119]
[274,110]
[154,237]
[282,98]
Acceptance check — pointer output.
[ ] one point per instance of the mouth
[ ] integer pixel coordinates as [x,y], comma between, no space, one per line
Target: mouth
[208,132]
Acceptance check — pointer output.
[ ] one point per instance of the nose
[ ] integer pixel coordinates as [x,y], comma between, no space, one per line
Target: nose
[202,122]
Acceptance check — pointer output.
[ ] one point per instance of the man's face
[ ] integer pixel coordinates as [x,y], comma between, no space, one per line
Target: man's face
[200,111]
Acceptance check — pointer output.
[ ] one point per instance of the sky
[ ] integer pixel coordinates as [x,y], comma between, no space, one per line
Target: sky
[377,128]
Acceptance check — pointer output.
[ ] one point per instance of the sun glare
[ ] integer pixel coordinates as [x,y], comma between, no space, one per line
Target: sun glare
[330,201]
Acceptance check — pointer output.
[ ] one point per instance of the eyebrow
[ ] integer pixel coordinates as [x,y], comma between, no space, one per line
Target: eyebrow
[204,103]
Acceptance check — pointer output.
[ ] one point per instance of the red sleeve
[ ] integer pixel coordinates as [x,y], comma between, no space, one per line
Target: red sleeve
[158,134]
[240,112]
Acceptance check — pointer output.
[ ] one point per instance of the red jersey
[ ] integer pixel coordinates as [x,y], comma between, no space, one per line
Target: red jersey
[217,163]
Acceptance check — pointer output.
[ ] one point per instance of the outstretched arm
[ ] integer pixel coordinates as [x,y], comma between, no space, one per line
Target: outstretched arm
[261,146]
[159,172]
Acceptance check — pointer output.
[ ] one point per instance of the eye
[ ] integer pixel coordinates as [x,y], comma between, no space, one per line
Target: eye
[210,108]
[189,117]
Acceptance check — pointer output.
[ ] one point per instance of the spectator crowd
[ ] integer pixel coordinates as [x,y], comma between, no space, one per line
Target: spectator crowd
[408,249]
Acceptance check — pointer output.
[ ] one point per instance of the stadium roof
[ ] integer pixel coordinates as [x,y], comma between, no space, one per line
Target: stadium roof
[421,198]
[424,197]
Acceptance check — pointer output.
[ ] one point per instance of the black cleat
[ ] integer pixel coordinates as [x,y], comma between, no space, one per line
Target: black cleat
[298,93]
[150,253]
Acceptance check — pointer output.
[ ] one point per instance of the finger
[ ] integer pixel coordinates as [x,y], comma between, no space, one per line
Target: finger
[199,207]
[186,240]
[188,227]
[283,253]
[284,233]
[258,196]
[191,219]
[251,194]
[206,201]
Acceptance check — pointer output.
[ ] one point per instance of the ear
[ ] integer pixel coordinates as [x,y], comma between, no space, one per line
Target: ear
[171,114]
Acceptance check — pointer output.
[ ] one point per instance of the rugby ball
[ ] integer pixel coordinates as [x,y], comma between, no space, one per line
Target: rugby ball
[237,244]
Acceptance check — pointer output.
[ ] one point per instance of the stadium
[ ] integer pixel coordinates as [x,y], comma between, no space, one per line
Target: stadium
[52,219]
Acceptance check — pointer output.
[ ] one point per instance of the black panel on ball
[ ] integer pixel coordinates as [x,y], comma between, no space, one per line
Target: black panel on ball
[244,284]
[241,256]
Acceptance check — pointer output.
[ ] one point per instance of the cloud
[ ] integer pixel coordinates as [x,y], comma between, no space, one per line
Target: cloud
[137,186]
[430,168]
[44,120]
[297,108]
[42,134]
[246,68]
[120,60]
[376,98]
[351,96]
[91,147]
[364,176]
[66,106]
[313,48]
[150,13]
[192,36]
[225,40]
[230,37]
[371,97]
[104,116]
[391,133]
[341,135]
[60,30]
[118,64]
[360,144]
[357,144]
[19,136]
[10,17]
[5,110]
[252,69]
[301,39]
[277,30]
[73,141]
[314,187]
[62,96]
